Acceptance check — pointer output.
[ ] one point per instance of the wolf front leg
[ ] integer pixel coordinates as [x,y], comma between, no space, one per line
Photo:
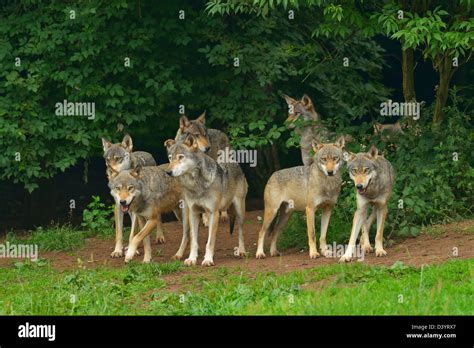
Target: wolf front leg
[184,240]
[313,250]
[325,217]
[160,235]
[144,232]
[381,216]
[359,219]
[194,225]
[364,238]
[211,240]
[118,215]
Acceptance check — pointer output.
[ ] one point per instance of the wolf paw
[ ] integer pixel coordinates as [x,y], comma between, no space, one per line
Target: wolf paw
[367,248]
[116,254]
[274,253]
[345,258]
[147,260]
[207,263]
[314,255]
[136,251]
[190,262]
[380,252]
[239,252]
[326,252]
[260,255]
[160,239]
[176,257]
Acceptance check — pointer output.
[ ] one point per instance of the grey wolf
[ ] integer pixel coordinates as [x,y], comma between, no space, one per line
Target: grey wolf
[208,187]
[146,192]
[388,132]
[210,141]
[303,188]
[373,177]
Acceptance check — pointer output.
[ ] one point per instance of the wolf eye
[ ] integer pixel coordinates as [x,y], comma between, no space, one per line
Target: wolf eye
[324,159]
[180,156]
[117,188]
[130,187]
[336,158]
[353,171]
[366,170]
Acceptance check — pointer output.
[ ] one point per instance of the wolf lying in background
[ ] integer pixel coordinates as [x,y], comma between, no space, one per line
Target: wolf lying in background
[210,141]
[303,188]
[119,157]
[146,192]
[208,187]
[388,131]
[373,178]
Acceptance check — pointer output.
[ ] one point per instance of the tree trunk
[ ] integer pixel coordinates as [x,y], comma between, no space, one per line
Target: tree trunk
[408,68]
[446,71]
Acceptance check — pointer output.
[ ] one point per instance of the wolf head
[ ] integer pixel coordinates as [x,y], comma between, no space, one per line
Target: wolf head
[125,186]
[329,157]
[197,129]
[183,155]
[297,108]
[362,167]
[117,156]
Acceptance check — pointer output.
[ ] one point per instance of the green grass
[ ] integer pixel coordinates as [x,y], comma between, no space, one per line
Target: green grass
[351,289]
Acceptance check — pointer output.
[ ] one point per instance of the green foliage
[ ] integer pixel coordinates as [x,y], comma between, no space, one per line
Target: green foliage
[54,238]
[98,218]
[444,289]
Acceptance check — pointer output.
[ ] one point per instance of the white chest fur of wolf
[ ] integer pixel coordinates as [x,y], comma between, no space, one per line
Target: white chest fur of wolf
[303,188]
[208,187]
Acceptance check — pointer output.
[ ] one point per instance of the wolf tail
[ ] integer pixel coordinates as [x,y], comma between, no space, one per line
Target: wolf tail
[231,213]
[283,206]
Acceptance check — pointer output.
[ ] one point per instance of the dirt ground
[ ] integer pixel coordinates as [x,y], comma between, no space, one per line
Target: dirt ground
[424,249]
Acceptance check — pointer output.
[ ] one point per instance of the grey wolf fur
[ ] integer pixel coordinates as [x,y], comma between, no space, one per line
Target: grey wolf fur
[146,192]
[388,131]
[208,187]
[210,141]
[373,178]
[119,157]
[303,188]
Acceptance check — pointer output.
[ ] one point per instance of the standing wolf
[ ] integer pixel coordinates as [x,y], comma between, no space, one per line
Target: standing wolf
[209,141]
[208,187]
[373,178]
[147,193]
[303,188]
[119,157]
[311,128]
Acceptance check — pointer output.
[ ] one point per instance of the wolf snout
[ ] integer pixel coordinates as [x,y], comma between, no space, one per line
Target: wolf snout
[359,186]
[206,150]
[123,202]
[169,172]
[330,173]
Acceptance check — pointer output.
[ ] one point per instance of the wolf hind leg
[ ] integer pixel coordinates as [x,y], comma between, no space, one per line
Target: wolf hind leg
[160,235]
[269,215]
[364,238]
[284,216]
[239,210]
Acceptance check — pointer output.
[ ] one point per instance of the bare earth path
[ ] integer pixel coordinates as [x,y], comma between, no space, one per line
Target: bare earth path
[425,249]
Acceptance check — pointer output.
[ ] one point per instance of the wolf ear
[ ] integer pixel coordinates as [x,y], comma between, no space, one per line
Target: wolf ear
[289,100]
[183,123]
[316,145]
[202,118]
[169,143]
[348,156]
[377,127]
[106,144]
[306,101]
[127,143]
[111,173]
[341,142]
[191,142]
[373,152]
[135,172]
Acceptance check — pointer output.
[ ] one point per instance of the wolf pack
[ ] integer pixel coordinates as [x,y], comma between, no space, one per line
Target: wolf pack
[196,187]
